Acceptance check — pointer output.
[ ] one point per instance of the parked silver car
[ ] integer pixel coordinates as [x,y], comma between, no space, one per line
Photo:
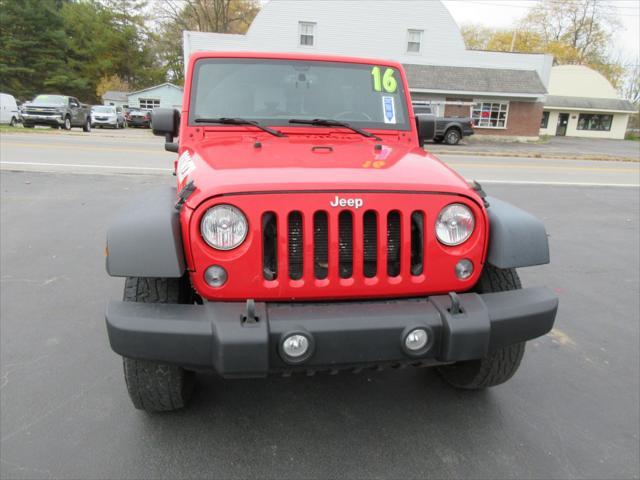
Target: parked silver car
[108,116]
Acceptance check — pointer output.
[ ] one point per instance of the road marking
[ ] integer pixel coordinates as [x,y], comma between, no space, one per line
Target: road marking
[72,165]
[93,148]
[560,184]
[165,170]
[541,167]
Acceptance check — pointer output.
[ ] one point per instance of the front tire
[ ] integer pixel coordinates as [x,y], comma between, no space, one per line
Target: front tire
[13,122]
[500,364]
[154,386]
[87,126]
[67,123]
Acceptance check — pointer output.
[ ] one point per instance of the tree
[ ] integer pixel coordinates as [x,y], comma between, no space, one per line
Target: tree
[111,83]
[175,16]
[573,31]
[33,46]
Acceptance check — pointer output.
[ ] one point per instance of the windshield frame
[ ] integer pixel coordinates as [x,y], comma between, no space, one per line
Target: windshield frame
[283,122]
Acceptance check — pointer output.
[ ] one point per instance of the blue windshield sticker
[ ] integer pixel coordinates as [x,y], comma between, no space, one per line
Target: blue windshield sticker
[388,110]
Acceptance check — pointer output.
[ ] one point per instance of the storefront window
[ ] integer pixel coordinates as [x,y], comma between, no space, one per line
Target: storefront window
[545,120]
[594,121]
[490,114]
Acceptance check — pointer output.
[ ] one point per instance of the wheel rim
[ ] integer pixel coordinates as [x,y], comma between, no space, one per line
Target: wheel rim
[67,124]
[452,137]
[13,122]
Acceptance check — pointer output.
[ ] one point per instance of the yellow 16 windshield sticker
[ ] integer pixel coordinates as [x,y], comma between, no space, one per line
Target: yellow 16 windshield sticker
[387,81]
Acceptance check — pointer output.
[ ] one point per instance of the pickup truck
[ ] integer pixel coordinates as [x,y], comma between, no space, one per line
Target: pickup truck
[57,111]
[307,231]
[449,130]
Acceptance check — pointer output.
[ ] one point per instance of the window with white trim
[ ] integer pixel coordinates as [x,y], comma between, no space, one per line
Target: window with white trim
[414,40]
[149,103]
[306,32]
[490,114]
[594,121]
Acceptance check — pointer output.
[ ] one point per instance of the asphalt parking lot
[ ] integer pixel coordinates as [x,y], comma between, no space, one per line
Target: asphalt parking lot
[570,412]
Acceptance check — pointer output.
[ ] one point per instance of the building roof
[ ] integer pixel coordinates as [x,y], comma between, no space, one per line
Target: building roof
[588,103]
[579,81]
[156,86]
[115,96]
[474,80]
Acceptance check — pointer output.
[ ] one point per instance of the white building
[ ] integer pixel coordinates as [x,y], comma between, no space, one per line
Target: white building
[166,95]
[582,103]
[502,91]
[115,98]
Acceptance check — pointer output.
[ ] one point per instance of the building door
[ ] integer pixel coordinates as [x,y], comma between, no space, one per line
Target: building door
[563,120]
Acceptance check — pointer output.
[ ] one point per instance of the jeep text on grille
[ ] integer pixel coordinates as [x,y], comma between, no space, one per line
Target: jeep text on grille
[308,231]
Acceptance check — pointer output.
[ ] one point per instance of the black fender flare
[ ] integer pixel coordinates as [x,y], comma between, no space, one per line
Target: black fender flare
[516,238]
[145,239]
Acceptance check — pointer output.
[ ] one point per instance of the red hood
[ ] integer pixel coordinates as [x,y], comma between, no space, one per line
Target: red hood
[232,163]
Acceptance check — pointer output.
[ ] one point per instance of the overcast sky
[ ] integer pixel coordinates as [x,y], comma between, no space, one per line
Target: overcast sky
[503,13]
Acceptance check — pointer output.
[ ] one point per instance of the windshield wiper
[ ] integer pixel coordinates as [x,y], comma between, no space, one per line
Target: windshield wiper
[333,123]
[240,121]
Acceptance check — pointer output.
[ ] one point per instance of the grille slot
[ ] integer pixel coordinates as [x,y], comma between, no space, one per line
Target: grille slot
[269,246]
[370,243]
[345,240]
[417,243]
[320,245]
[393,244]
[295,244]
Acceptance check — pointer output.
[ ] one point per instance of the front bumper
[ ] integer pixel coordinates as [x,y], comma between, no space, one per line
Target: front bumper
[344,335]
[33,119]
[139,122]
[106,123]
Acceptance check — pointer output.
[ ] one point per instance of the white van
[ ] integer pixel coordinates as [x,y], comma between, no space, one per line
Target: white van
[9,110]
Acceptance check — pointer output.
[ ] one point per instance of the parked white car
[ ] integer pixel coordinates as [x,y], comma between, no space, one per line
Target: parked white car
[107,116]
[9,110]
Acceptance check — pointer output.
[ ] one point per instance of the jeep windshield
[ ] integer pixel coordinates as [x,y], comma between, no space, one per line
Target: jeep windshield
[273,92]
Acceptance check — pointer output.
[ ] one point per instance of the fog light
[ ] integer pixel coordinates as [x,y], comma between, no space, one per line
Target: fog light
[464,269]
[416,339]
[295,346]
[215,276]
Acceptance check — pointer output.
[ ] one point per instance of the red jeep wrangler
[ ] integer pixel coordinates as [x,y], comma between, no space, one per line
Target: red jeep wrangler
[309,231]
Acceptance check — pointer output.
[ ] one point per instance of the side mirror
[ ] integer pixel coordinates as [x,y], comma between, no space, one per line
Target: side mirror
[426,125]
[165,122]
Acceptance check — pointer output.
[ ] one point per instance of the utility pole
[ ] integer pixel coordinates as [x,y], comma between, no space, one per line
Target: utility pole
[513,40]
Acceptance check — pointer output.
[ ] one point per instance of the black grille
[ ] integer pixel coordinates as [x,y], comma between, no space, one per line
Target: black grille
[345,239]
[417,243]
[341,262]
[370,243]
[393,244]
[295,245]
[320,245]
[269,246]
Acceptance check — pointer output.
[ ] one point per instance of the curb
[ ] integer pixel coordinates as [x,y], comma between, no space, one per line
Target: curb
[551,155]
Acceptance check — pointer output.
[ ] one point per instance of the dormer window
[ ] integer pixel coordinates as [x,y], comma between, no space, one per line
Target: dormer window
[414,40]
[306,33]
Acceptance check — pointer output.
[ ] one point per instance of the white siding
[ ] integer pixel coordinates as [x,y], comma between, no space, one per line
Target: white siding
[364,28]
[618,125]
[169,96]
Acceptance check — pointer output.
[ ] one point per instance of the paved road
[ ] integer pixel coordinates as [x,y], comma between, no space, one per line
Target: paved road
[570,412]
[136,151]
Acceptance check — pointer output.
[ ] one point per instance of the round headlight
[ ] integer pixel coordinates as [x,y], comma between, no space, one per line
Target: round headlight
[224,227]
[455,224]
